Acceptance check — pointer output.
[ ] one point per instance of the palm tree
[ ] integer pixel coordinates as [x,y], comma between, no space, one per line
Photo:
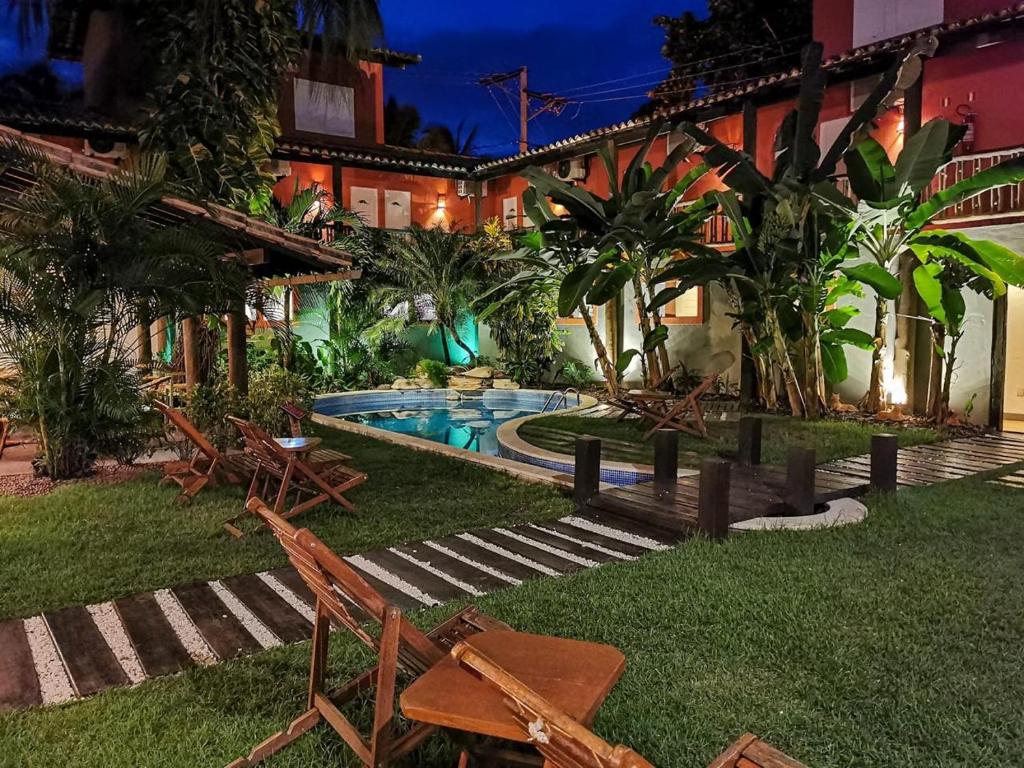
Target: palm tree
[401,123]
[78,266]
[440,138]
[438,274]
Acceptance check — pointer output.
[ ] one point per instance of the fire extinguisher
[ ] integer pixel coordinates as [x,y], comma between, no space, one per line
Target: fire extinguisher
[968,117]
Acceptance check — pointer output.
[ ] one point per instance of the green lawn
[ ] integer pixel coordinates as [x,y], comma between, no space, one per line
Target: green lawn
[831,439]
[892,643]
[84,543]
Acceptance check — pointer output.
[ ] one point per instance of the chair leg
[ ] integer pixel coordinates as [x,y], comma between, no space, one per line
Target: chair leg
[384,706]
[318,657]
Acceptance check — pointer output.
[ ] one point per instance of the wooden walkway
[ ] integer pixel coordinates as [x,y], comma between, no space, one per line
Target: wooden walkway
[74,652]
[764,491]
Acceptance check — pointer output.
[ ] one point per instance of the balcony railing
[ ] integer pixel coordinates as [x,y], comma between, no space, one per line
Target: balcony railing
[999,203]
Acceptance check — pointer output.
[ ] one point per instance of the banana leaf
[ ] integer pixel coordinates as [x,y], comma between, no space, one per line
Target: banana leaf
[1009,172]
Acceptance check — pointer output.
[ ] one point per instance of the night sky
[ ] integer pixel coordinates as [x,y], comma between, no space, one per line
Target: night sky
[572,47]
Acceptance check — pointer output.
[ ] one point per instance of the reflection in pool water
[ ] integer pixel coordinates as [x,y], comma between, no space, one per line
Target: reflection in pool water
[471,427]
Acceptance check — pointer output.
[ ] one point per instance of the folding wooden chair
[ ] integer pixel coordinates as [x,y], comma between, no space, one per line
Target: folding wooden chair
[295,416]
[686,414]
[565,743]
[292,474]
[207,464]
[321,457]
[748,751]
[344,598]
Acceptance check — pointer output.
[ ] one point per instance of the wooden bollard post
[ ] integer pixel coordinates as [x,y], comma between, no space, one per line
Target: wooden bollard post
[800,480]
[587,476]
[749,448]
[666,457]
[713,500]
[884,454]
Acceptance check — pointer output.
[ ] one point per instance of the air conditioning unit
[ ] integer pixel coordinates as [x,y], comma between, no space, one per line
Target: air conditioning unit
[465,188]
[110,150]
[280,168]
[572,170]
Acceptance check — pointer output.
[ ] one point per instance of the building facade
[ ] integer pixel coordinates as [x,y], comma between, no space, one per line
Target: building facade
[332,134]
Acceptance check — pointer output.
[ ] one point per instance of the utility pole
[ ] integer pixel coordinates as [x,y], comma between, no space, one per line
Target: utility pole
[524,110]
[549,102]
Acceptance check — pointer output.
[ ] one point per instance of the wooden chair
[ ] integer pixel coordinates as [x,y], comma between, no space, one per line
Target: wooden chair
[207,464]
[295,416]
[686,414]
[346,599]
[565,743]
[748,751]
[292,473]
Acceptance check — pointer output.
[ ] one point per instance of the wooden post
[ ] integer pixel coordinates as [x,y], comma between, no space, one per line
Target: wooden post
[587,476]
[713,499]
[884,453]
[190,352]
[144,344]
[666,456]
[749,447]
[238,365]
[748,372]
[800,481]
[159,338]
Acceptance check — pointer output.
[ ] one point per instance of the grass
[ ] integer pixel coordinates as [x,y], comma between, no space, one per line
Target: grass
[85,543]
[893,642]
[831,439]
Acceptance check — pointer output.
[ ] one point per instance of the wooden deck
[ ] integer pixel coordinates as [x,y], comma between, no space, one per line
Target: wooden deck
[673,505]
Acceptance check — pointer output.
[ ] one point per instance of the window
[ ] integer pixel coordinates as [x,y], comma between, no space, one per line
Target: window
[875,20]
[687,309]
[397,209]
[324,108]
[364,203]
[510,212]
[577,319]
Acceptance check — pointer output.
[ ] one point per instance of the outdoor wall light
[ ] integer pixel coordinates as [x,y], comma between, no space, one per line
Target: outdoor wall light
[442,202]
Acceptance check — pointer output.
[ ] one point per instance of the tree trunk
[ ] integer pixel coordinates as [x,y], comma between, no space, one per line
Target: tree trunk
[653,372]
[796,403]
[444,347]
[947,383]
[610,374]
[286,345]
[461,343]
[765,379]
[875,396]
[935,374]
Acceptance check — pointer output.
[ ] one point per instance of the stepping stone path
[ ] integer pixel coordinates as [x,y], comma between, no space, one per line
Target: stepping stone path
[74,652]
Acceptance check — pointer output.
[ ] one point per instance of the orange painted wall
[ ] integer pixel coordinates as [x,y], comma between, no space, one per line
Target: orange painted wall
[987,80]
[833,25]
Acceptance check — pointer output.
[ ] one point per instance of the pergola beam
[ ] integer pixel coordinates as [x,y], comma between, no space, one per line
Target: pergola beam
[330,277]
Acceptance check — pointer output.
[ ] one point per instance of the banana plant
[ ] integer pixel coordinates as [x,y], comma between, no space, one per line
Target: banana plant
[889,219]
[630,235]
[789,240]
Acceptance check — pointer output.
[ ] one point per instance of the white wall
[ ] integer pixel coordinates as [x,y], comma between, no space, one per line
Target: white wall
[875,20]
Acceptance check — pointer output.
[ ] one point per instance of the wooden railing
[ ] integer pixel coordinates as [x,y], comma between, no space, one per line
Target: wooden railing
[994,204]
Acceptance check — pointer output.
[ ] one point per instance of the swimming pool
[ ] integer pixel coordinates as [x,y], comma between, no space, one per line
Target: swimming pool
[469,420]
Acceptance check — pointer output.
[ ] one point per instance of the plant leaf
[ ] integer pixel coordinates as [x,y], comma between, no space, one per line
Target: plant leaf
[1009,172]
[877,277]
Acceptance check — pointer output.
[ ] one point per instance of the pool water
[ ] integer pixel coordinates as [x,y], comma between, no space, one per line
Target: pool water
[472,429]
[470,423]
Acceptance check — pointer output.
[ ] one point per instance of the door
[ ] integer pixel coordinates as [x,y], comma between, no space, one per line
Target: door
[1013,387]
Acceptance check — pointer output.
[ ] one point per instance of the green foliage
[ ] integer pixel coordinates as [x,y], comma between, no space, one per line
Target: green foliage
[209,404]
[576,373]
[271,388]
[527,336]
[78,267]
[434,370]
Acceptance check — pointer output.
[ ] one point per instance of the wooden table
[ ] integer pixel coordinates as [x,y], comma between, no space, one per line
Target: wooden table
[574,676]
[298,445]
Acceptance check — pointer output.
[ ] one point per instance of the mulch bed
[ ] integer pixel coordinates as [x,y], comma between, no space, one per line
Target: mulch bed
[28,485]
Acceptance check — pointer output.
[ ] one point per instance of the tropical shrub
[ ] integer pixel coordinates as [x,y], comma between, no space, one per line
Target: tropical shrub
[527,336]
[577,374]
[271,388]
[209,404]
[434,370]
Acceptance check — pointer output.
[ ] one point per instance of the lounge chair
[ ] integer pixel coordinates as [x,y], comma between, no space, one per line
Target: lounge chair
[663,409]
[208,465]
[565,743]
[321,457]
[292,473]
[344,598]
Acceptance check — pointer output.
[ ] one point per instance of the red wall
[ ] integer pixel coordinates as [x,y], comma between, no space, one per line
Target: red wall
[833,25]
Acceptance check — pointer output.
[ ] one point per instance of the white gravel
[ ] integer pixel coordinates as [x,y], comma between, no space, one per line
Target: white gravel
[110,626]
[54,682]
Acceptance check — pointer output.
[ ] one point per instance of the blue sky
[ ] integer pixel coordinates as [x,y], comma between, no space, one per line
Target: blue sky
[570,46]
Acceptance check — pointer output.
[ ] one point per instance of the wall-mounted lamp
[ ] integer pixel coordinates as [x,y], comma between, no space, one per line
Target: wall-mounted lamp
[442,202]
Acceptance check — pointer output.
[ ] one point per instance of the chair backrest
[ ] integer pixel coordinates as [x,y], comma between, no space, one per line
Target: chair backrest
[295,417]
[188,429]
[702,389]
[748,751]
[563,741]
[335,582]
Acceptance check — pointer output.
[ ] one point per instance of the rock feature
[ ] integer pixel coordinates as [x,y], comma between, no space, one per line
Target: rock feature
[505,384]
[482,372]
[403,384]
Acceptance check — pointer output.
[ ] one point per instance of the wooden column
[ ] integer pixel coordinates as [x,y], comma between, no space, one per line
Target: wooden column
[587,476]
[666,457]
[997,386]
[749,449]
[713,499]
[144,345]
[238,364]
[159,337]
[800,481]
[190,352]
[884,456]
[912,342]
